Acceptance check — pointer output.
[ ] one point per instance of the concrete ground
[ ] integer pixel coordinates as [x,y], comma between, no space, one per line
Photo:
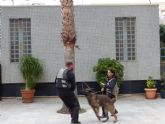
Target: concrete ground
[133,109]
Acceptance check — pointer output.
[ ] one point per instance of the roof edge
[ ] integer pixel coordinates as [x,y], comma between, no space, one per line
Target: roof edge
[154,4]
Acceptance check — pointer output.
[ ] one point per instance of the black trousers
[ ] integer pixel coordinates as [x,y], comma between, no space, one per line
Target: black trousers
[71,102]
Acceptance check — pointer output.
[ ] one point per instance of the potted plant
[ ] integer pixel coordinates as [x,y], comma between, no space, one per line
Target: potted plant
[162,91]
[31,70]
[150,91]
[101,71]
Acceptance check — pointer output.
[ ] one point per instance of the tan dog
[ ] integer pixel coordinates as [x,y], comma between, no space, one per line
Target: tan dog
[96,101]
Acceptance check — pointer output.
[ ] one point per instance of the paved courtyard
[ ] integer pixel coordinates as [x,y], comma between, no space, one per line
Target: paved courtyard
[133,109]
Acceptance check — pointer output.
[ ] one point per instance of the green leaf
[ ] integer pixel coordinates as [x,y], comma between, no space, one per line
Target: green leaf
[31,70]
[150,82]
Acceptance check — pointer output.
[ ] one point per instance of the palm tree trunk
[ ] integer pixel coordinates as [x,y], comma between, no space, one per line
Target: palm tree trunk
[68,36]
[68,55]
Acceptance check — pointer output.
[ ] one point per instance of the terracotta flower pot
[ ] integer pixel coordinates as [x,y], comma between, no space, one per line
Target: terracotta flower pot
[150,93]
[27,96]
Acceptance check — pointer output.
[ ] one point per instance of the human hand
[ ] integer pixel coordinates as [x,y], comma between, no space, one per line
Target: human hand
[102,89]
[102,84]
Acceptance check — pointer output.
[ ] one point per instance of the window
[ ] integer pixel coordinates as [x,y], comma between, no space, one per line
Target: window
[20,38]
[125,38]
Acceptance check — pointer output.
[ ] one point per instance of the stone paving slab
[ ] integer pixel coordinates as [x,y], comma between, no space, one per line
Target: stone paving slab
[133,109]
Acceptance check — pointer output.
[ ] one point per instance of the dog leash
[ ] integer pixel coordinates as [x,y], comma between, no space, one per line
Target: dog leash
[83,89]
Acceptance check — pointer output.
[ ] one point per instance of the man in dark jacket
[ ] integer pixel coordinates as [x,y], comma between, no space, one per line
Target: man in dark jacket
[65,83]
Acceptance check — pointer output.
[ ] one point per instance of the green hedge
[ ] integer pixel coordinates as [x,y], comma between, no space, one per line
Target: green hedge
[102,66]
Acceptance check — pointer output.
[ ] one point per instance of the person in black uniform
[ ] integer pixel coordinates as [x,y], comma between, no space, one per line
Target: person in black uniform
[109,86]
[65,84]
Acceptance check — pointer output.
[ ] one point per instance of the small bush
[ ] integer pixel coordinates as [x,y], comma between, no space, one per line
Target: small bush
[150,83]
[31,70]
[102,67]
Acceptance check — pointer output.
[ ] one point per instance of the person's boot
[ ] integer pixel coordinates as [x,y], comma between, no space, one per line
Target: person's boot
[75,115]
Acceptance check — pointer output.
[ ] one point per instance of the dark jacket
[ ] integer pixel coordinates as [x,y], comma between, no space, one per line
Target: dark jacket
[71,80]
[65,80]
[110,84]
[109,87]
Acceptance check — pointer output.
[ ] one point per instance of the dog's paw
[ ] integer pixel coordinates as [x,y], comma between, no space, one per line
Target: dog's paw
[102,116]
[105,120]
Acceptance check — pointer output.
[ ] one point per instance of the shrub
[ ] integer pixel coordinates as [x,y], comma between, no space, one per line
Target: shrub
[102,67]
[31,70]
[150,83]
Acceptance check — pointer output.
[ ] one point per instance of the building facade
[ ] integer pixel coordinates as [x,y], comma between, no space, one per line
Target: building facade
[128,33]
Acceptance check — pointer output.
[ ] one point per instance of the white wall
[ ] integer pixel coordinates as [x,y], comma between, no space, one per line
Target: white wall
[95,27]
[96,37]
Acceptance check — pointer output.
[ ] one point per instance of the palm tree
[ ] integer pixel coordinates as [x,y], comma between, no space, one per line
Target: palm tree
[68,35]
